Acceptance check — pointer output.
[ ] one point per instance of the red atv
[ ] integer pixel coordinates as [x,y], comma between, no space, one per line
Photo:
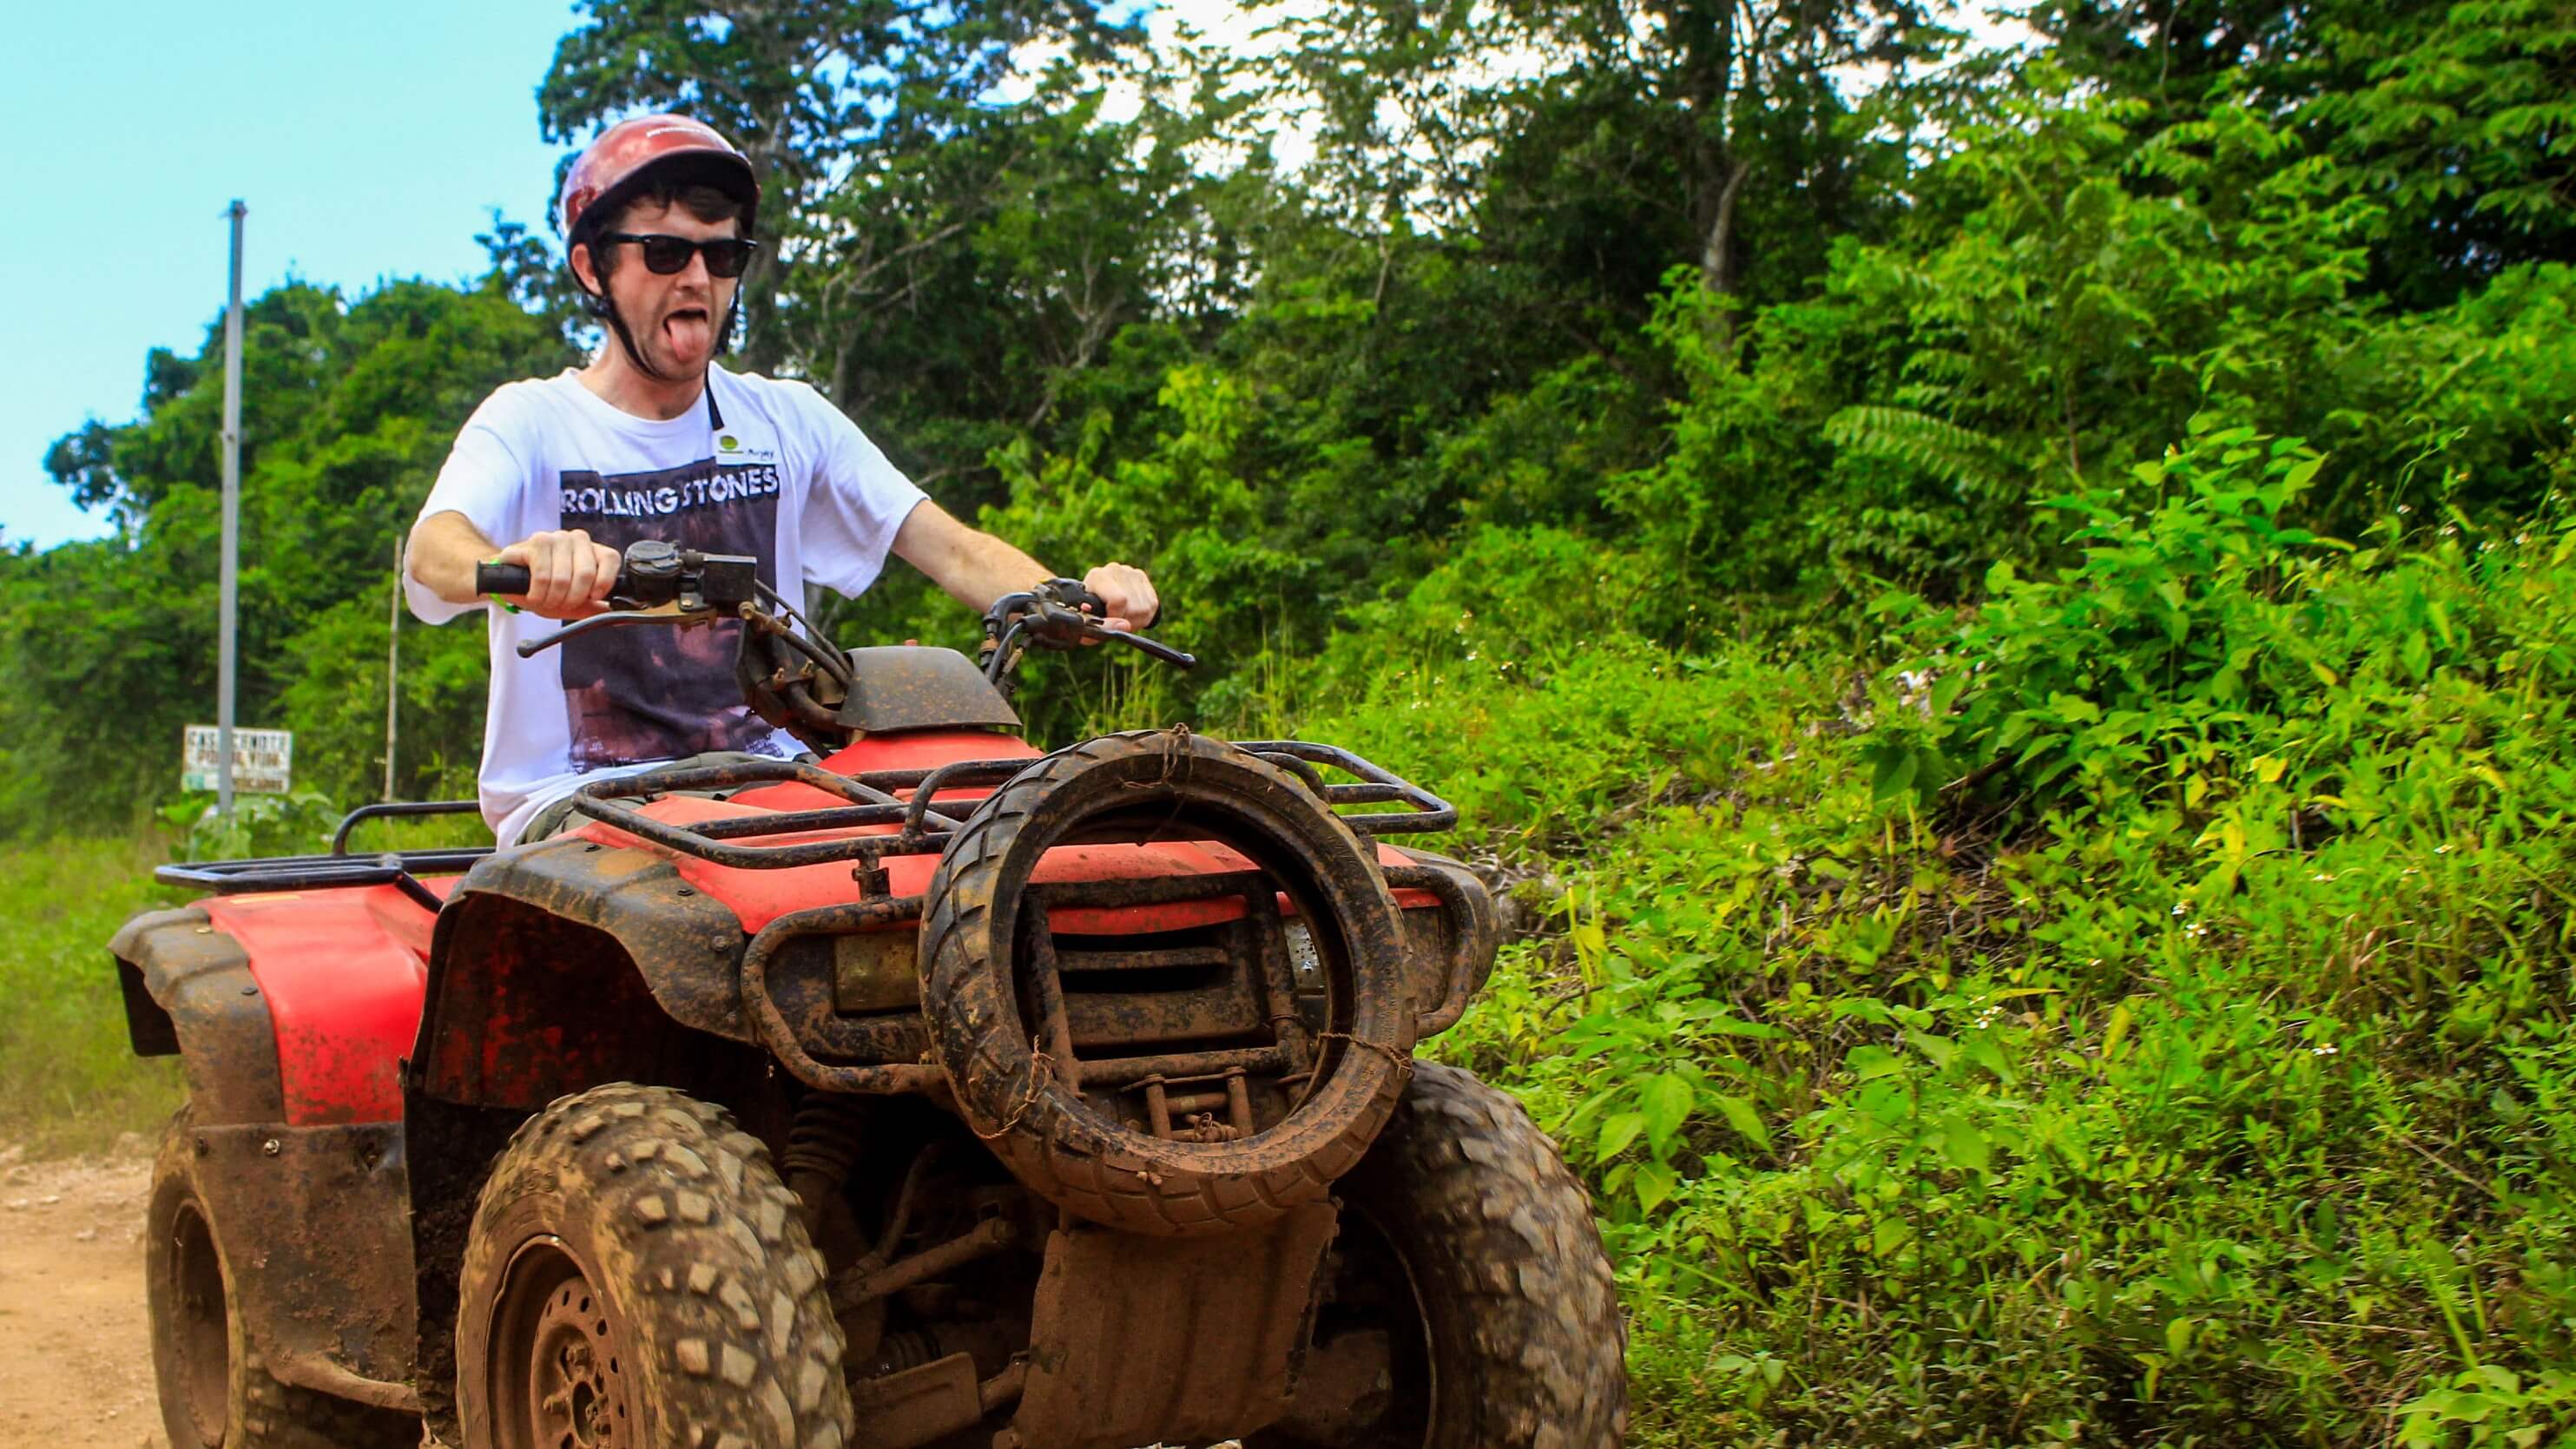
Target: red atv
[940,1092]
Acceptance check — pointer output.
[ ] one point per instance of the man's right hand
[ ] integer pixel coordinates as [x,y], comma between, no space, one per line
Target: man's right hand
[568,575]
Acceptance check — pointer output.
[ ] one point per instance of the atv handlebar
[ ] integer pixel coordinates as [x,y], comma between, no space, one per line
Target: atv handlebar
[501,578]
[1073,593]
[657,583]
[661,583]
[1060,614]
[654,574]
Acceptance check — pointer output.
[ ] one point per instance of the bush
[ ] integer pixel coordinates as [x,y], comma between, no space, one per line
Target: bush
[2196,1065]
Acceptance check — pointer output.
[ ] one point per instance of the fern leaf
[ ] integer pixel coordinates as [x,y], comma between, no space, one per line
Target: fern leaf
[1956,454]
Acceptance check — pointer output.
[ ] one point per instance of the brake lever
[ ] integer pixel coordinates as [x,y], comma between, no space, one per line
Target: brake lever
[1091,628]
[670,613]
[1156,647]
[1060,624]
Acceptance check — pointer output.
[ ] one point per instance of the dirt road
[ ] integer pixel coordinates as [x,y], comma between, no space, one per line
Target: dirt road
[75,1366]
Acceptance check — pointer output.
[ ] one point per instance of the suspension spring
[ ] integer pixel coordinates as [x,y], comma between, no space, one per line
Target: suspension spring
[910,1348]
[823,1145]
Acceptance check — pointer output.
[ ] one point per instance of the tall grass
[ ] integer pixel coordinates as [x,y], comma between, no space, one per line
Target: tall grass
[69,1082]
[2138,1014]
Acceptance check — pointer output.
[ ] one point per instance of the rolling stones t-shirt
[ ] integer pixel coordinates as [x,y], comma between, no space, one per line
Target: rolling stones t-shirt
[770,470]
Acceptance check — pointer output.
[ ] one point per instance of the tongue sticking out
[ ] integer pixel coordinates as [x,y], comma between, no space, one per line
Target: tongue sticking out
[690,332]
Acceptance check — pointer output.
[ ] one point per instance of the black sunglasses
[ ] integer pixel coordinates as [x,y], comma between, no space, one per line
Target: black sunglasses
[666,256]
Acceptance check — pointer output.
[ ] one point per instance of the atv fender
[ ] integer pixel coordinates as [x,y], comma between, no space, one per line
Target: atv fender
[310,1218]
[287,1007]
[564,964]
[189,991]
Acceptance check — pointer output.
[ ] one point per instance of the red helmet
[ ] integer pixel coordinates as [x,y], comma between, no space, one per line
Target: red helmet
[619,162]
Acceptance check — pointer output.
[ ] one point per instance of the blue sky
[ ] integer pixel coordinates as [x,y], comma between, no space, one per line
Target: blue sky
[369,141]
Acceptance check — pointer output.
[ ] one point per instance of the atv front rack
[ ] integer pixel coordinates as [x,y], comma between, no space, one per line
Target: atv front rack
[921,828]
[401,869]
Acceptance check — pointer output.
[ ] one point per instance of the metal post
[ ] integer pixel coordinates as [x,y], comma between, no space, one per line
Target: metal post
[393,666]
[224,660]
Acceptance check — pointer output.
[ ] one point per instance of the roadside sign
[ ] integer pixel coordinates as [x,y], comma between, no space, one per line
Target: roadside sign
[263,760]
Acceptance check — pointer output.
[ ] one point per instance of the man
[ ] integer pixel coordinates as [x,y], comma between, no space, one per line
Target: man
[653,440]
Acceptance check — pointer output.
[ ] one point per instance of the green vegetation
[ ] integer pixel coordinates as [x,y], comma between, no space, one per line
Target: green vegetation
[2010,635]
[68,1080]
[2140,1014]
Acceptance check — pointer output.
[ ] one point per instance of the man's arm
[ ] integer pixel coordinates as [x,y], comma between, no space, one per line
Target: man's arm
[975,568]
[569,576]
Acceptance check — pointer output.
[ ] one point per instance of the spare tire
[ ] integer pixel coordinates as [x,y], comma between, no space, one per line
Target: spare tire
[1166,785]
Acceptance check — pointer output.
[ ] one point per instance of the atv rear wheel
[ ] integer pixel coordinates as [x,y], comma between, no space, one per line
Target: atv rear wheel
[215,1392]
[637,1276]
[1471,1305]
[1145,786]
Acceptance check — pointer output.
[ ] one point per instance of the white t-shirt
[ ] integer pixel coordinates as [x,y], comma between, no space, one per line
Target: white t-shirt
[772,470]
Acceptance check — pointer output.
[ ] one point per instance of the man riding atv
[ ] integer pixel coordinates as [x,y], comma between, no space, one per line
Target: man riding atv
[818,1063]
[653,440]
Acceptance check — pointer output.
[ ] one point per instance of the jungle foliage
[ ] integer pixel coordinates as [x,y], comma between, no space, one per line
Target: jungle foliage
[2006,616]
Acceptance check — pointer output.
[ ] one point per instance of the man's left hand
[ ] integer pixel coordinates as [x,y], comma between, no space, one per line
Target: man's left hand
[1126,596]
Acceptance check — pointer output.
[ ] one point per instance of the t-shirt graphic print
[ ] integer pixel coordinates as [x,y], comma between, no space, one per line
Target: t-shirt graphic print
[653,692]
[770,470]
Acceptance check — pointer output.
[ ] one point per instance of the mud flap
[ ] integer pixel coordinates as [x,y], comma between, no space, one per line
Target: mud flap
[312,1223]
[1138,1340]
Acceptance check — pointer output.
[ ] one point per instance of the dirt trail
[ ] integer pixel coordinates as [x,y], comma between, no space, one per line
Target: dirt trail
[75,1359]
[75,1365]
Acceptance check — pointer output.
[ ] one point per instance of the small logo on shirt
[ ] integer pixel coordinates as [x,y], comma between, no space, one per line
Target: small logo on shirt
[734,448]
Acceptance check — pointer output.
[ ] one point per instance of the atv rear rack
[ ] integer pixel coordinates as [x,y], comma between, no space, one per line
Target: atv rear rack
[923,829]
[401,869]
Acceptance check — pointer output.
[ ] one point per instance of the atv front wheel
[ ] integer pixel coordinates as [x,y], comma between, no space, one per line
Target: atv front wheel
[1471,1305]
[215,1393]
[638,1276]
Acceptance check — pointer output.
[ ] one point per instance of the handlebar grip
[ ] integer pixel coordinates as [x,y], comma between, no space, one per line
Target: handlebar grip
[501,578]
[1073,595]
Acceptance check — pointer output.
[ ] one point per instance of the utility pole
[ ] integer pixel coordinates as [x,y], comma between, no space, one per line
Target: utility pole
[224,659]
[393,666]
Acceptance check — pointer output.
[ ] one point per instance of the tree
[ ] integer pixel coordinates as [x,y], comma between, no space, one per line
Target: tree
[2457,120]
[1708,94]
[957,295]
[348,410]
[805,90]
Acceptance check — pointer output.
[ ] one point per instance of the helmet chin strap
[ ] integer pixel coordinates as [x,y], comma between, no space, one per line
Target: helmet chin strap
[606,310]
[626,339]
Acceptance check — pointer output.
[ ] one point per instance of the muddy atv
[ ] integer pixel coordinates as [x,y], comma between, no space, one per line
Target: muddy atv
[937,1091]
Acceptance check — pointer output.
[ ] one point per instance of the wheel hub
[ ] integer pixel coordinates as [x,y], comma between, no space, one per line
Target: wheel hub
[574,1378]
[560,1382]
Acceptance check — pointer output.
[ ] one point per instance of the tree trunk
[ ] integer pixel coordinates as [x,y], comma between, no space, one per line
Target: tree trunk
[764,344]
[1718,252]
[1703,85]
